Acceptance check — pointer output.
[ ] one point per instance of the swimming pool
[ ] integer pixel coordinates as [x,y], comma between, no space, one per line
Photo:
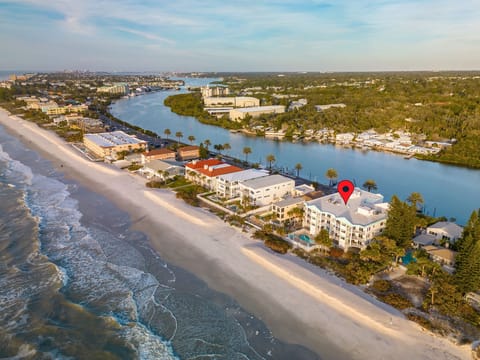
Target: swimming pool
[305,238]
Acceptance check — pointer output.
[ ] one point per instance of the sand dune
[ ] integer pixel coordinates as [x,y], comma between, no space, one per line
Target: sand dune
[299,302]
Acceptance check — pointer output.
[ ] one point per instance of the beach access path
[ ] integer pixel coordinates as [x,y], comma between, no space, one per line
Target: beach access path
[299,302]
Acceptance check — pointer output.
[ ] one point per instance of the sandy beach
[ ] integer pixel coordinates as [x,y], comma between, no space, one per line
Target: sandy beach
[299,302]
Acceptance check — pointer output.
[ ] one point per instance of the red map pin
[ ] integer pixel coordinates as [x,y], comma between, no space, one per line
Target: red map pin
[345,188]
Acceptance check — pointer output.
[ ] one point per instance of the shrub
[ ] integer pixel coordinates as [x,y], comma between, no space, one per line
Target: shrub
[381,286]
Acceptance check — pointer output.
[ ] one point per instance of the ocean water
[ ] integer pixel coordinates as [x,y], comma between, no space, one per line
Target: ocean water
[77,283]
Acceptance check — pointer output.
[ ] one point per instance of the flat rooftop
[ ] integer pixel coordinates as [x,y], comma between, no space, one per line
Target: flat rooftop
[114,138]
[244,175]
[362,208]
[265,181]
[261,108]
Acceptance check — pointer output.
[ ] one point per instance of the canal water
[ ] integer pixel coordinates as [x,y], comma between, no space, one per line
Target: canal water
[448,190]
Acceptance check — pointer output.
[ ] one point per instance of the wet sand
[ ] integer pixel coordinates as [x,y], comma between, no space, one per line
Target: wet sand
[299,303]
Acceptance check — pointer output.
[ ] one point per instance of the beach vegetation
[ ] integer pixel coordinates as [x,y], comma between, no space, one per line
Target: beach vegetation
[189,194]
[274,242]
[401,221]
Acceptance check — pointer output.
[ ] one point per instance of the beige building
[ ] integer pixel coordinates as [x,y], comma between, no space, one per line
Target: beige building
[158,154]
[118,88]
[283,208]
[110,143]
[60,110]
[237,101]
[188,152]
[241,113]
[209,91]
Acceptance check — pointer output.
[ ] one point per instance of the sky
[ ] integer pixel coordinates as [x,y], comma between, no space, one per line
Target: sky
[239,35]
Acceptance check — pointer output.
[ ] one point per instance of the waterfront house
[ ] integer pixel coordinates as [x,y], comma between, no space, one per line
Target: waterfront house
[351,225]
[422,240]
[158,154]
[442,256]
[266,190]
[344,138]
[445,230]
[162,169]
[205,172]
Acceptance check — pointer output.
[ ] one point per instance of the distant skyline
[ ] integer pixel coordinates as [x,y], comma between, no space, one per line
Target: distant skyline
[212,35]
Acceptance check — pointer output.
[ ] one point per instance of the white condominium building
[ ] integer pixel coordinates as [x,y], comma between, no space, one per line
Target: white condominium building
[351,225]
[228,185]
[266,190]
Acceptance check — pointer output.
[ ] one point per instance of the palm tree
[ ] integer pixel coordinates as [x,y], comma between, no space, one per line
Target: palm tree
[226,147]
[331,175]
[167,133]
[178,135]
[298,167]
[270,160]
[414,199]
[207,143]
[323,239]
[218,147]
[247,150]
[191,138]
[370,185]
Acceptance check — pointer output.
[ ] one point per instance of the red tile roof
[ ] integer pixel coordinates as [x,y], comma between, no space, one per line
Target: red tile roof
[219,171]
[201,163]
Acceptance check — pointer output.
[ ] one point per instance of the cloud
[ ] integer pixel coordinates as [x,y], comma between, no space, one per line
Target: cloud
[240,33]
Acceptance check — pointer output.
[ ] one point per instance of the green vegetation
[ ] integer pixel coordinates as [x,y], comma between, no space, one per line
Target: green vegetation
[467,273]
[191,105]
[189,194]
[442,106]
[400,224]
[273,242]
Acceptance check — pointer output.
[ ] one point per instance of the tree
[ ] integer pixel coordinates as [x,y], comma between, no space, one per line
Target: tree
[331,175]
[270,159]
[298,167]
[191,138]
[467,263]
[246,151]
[226,147]
[400,225]
[167,133]
[296,213]
[218,147]
[207,143]
[178,135]
[370,185]
[414,199]
[203,152]
[323,239]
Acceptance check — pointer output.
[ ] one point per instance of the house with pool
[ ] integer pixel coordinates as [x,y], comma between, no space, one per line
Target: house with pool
[353,224]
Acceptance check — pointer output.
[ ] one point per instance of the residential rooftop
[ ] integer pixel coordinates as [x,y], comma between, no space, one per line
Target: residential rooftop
[244,175]
[362,208]
[199,164]
[289,201]
[265,181]
[114,138]
[217,170]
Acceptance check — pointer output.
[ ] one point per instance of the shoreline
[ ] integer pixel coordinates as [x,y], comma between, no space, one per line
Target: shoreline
[323,313]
